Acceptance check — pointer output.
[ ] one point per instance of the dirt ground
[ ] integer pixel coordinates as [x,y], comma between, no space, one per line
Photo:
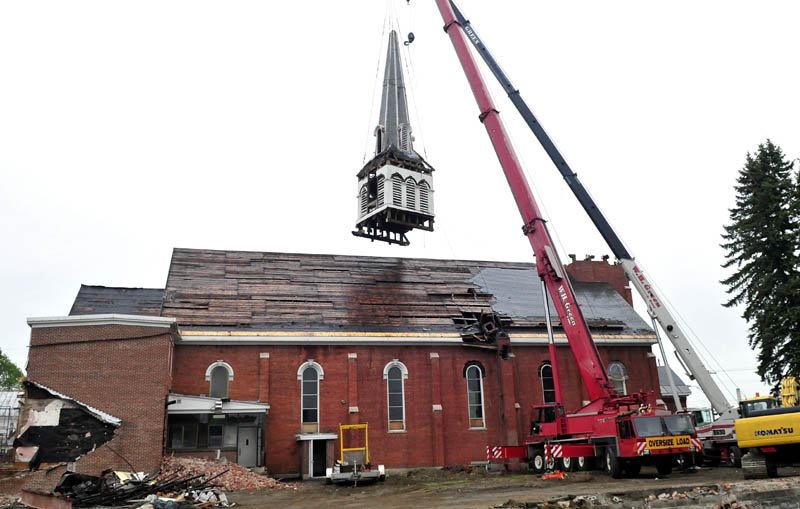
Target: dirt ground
[476,488]
[479,489]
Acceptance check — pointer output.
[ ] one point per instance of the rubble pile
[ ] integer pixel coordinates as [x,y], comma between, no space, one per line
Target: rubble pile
[118,488]
[229,477]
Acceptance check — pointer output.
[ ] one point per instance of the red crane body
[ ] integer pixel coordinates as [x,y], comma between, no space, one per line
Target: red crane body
[623,428]
[549,266]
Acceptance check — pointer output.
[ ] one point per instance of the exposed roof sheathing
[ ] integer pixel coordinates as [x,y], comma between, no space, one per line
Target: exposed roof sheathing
[92,300]
[236,290]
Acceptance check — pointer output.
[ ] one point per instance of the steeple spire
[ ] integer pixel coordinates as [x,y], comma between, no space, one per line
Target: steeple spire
[395,188]
[394,127]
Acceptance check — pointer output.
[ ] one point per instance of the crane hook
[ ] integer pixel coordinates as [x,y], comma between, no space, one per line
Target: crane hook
[410,39]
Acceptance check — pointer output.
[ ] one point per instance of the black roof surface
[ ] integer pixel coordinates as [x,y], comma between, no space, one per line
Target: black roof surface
[93,300]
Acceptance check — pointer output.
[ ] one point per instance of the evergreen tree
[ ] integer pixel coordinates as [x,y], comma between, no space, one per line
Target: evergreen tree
[9,373]
[762,247]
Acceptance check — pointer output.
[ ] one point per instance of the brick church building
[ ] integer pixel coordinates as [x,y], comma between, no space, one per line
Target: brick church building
[258,357]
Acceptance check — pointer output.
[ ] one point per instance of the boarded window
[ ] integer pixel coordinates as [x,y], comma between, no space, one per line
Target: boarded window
[396,399]
[475,397]
[219,382]
[363,200]
[411,194]
[424,203]
[405,135]
[380,190]
[548,384]
[397,190]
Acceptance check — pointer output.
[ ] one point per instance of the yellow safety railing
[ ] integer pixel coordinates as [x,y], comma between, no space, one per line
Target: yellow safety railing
[365,449]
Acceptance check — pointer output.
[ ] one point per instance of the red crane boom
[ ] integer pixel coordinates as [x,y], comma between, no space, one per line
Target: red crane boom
[548,264]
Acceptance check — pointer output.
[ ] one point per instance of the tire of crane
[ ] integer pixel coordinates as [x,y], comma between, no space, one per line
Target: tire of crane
[735,456]
[584,463]
[711,457]
[664,466]
[632,467]
[538,462]
[567,464]
[754,466]
[550,464]
[613,464]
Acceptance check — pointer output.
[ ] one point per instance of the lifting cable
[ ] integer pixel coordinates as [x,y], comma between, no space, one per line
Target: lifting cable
[411,82]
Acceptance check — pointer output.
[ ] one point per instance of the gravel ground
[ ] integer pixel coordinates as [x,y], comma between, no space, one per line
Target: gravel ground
[478,489]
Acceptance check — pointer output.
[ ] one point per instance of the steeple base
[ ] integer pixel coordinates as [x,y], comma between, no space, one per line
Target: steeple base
[391,225]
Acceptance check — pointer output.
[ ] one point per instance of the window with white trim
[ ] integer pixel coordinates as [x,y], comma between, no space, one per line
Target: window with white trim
[397,190]
[618,375]
[474,376]
[219,375]
[424,203]
[548,384]
[395,374]
[309,375]
[411,194]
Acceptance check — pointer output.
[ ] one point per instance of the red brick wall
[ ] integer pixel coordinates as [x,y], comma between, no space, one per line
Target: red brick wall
[423,443]
[590,271]
[121,370]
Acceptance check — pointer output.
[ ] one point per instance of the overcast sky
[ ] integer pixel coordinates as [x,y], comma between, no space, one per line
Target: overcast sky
[130,128]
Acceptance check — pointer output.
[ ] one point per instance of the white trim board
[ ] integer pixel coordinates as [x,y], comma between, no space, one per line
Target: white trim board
[107,319]
[388,341]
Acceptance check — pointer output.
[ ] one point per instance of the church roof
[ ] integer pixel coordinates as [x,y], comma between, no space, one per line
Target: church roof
[93,300]
[257,291]
[663,380]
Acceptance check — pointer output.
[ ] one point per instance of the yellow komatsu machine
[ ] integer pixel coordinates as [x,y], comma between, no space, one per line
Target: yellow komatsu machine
[769,434]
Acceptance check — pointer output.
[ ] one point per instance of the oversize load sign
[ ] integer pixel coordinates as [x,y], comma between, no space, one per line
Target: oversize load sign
[669,442]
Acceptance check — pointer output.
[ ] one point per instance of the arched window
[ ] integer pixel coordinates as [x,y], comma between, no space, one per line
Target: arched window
[474,376]
[309,374]
[411,194]
[424,203]
[380,189]
[378,139]
[395,373]
[618,374]
[405,134]
[397,190]
[363,200]
[218,375]
[548,384]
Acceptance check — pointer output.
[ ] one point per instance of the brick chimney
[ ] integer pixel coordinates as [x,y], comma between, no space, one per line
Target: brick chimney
[590,270]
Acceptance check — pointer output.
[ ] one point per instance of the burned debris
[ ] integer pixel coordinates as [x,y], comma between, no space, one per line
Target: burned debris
[55,428]
[122,488]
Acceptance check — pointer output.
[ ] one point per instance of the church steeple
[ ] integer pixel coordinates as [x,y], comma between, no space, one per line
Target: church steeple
[395,188]
[394,127]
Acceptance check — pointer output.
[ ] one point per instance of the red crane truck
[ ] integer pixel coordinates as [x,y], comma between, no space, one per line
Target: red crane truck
[623,432]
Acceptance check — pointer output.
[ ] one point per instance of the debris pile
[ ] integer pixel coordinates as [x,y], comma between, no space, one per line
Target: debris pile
[117,488]
[230,477]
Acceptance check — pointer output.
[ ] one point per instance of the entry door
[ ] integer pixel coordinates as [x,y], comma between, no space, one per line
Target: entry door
[320,457]
[248,447]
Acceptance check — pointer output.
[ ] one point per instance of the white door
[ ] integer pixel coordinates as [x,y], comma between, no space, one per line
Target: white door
[248,447]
